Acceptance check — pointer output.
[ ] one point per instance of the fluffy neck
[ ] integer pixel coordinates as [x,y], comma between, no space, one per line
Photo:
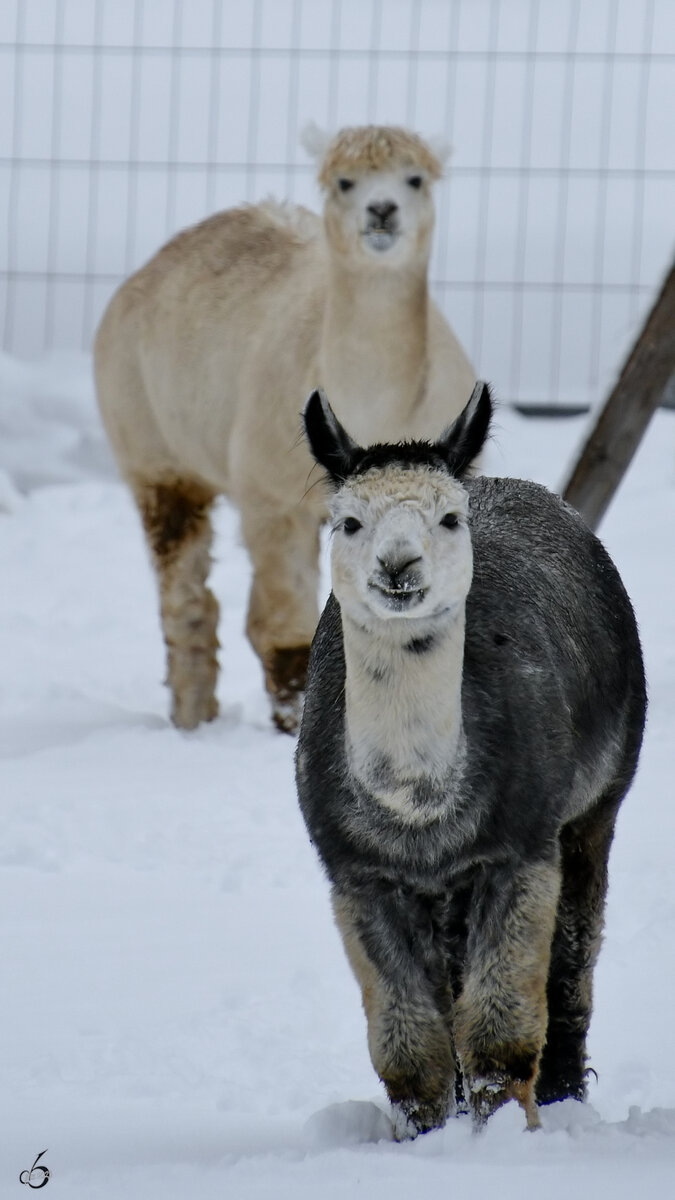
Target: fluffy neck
[374,349]
[403,714]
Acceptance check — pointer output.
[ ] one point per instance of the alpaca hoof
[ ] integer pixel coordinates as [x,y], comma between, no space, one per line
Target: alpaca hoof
[410,1118]
[189,711]
[286,680]
[488,1093]
[485,1095]
[286,717]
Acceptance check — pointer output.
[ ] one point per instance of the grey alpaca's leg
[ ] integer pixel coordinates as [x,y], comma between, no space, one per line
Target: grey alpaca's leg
[409,1035]
[176,519]
[585,846]
[283,606]
[501,1014]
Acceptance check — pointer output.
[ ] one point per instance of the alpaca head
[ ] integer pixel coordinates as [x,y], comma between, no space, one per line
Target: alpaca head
[377,184]
[401,546]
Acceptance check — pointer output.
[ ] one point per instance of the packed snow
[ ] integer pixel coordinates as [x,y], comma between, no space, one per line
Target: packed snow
[179,1019]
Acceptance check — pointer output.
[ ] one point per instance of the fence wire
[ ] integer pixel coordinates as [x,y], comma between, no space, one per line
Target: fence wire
[122,121]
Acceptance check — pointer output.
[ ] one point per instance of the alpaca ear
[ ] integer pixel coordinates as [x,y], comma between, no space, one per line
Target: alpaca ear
[441,148]
[464,440]
[314,140]
[330,444]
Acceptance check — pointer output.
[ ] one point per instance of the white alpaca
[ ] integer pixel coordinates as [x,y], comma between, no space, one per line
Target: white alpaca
[204,357]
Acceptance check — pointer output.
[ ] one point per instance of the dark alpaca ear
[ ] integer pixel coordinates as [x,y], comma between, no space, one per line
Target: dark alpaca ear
[464,440]
[330,444]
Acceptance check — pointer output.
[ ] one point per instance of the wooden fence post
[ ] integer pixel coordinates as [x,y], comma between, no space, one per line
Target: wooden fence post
[627,412]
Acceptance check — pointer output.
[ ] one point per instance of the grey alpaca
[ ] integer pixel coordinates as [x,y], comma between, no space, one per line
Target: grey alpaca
[473,719]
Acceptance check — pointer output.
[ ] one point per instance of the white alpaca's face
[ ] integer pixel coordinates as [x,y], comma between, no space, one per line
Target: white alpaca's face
[401,546]
[386,216]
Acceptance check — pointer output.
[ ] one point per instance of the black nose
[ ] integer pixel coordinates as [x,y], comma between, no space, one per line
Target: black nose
[396,570]
[383,211]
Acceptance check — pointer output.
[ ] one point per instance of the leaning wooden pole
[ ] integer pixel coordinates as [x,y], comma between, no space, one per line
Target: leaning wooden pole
[627,412]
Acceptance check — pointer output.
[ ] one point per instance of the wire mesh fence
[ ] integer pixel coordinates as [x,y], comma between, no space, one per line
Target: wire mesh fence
[122,121]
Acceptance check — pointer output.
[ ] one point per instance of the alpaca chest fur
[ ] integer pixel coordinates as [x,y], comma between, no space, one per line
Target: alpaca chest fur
[473,719]
[402,745]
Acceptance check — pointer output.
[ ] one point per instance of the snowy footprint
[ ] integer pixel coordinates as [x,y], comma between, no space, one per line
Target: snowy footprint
[66,720]
[577,1120]
[351,1123]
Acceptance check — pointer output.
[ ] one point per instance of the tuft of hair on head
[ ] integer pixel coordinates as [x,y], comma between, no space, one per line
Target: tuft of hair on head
[341,456]
[329,442]
[314,140]
[376,148]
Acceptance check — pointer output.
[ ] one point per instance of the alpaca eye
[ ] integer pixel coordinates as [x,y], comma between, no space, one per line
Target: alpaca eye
[351,525]
[450,520]
[345,185]
[415,181]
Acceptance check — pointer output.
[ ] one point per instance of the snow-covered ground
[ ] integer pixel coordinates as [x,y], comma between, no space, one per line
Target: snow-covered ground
[178,1018]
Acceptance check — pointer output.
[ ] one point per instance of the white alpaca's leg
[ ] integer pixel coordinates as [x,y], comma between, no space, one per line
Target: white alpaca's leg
[176,519]
[283,609]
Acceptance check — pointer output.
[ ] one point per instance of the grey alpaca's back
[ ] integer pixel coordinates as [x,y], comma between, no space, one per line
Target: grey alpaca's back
[553,667]
[553,707]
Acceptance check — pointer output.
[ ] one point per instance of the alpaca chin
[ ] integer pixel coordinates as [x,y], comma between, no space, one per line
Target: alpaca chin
[380,240]
[402,602]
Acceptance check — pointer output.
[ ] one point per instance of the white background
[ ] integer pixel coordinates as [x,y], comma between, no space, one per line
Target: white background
[121,121]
